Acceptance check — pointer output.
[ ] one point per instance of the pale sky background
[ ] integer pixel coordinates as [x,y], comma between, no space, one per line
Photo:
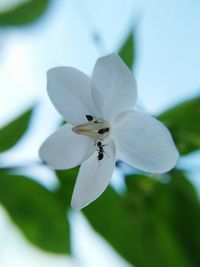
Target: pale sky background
[167,70]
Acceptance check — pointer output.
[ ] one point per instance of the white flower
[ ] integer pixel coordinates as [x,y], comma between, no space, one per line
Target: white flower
[102,126]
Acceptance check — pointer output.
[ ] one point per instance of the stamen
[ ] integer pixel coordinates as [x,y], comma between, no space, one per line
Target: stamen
[97,129]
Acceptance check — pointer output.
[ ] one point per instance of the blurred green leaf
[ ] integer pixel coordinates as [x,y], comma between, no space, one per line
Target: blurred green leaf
[186,219]
[12,132]
[36,211]
[183,122]
[127,51]
[67,180]
[141,224]
[23,13]
[175,210]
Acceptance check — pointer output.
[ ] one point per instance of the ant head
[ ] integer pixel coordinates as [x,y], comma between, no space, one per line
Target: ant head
[99,143]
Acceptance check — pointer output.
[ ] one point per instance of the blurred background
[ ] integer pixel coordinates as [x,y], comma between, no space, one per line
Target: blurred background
[141,220]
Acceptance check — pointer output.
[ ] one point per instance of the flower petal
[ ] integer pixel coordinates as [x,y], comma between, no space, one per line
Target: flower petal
[70,92]
[65,149]
[144,142]
[113,87]
[93,177]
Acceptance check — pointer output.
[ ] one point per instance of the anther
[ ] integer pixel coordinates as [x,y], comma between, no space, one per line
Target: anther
[89,117]
[103,130]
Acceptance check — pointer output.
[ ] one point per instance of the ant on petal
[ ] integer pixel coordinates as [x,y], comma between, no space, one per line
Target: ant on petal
[100,150]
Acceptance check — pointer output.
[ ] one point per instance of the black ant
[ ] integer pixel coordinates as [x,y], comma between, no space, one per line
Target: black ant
[100,150]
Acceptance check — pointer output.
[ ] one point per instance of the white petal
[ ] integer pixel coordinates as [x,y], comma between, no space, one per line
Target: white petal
[113,87]
[144,142]
[65,149]
[93,177]
[70,92]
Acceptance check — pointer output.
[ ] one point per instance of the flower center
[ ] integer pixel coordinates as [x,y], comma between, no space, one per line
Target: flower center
[96,128]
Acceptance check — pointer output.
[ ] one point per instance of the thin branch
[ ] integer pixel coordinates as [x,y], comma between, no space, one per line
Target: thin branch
[90,24]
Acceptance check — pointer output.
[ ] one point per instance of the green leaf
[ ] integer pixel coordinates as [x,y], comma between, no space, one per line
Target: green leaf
[186,219]
[141,224]
[36,211]
[67,180]
[127,51]
[23,13]
[175,210]
[12,132]
[183,122]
